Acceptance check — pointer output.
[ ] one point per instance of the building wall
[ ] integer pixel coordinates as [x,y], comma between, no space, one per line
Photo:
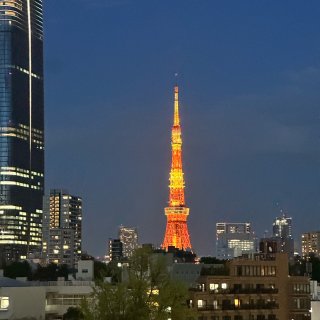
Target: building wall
[24,303]
[60,297]
[315,310]
[257,287]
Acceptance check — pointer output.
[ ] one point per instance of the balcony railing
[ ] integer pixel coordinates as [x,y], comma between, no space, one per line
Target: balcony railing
[249,306]
[244,291]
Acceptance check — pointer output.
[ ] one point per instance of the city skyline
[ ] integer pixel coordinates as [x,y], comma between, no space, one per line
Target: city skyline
[249,75]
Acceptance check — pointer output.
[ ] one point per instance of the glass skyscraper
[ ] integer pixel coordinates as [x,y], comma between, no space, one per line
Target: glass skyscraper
[21,128]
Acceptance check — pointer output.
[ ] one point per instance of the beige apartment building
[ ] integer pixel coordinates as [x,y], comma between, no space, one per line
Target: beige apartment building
[310,242]
[254,287]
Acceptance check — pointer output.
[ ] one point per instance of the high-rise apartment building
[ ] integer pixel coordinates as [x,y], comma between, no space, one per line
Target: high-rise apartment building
[311,243]
[282,229]
[234,239]
[129,238]
[62,226]
[21,128]
[115,250]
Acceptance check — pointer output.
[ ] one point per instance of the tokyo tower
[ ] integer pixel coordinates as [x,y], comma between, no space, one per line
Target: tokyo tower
[177,234]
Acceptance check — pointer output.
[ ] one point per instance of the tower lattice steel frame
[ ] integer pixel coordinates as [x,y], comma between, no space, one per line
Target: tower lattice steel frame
[176,234]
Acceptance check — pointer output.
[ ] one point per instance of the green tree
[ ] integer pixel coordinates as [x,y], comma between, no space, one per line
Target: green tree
[18,269]
[146,292]
[73,313]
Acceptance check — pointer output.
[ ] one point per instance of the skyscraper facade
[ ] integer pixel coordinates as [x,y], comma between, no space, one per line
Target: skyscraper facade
[177,234]
[234,239]
[62,227]
[21,128]
[282,229]
[129,238]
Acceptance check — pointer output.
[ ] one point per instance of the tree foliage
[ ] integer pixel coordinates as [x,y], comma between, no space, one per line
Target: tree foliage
[18,269]
[73,314]
[50,272]
[146,292]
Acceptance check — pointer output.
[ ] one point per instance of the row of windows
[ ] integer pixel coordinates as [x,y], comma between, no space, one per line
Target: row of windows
[256,271]
[301,288]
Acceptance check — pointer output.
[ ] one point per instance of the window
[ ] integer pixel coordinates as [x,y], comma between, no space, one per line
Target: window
[201,303]
[213,286]
[4,303]
[224,286]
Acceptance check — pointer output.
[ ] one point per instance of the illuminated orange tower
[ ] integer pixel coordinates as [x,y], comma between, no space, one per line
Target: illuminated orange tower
[177,234]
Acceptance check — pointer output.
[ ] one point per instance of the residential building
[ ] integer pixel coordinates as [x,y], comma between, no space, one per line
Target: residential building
[115,250]
[60,246]
[129,238]
[234,239]
[62,227]
[50,300]
[311,243]
[253,287]
[21,128]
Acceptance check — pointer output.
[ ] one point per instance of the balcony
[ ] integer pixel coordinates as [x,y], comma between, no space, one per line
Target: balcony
[249,306]
[245,291]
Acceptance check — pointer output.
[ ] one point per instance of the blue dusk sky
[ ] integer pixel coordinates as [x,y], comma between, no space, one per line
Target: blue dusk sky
[249,77]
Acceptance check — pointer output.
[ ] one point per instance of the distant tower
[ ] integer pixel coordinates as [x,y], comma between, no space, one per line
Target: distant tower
[177,234]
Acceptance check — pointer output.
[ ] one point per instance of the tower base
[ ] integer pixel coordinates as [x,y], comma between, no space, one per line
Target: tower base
[177,234]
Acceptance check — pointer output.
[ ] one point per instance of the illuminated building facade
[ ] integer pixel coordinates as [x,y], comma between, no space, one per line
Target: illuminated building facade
[129,238]
[21,128]
[177,213]
[62,226]
[311,244]
[234,239]
[253,287]
[282,229]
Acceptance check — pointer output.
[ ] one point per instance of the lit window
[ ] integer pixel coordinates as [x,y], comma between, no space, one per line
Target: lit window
[224,286]
[213,286]
[4,303]
[201,303]
[236,302]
